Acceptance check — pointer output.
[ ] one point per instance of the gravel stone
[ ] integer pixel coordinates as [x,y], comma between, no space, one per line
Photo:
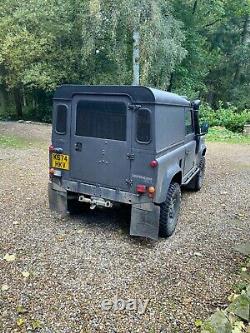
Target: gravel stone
[76,263]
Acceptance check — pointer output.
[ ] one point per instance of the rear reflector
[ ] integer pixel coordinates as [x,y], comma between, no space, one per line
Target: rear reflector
[140,188]
[151,190]
[154,164]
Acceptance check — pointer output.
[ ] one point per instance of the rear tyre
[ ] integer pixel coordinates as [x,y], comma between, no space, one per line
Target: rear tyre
[197,182]
[170,210]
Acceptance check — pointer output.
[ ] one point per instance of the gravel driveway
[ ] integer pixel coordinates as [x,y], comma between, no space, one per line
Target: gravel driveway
[76,263]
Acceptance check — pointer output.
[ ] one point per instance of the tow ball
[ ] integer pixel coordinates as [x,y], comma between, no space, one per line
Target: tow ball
[94,201]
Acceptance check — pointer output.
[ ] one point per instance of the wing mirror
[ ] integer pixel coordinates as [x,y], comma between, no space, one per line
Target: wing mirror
[204,128]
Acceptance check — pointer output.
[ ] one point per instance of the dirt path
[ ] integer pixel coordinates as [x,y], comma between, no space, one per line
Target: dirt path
[74,264]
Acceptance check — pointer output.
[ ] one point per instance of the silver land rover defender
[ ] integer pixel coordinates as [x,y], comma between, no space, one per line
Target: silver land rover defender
[127,144]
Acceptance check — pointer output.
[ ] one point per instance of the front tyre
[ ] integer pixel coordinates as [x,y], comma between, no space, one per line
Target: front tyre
[197,182]
[170,210]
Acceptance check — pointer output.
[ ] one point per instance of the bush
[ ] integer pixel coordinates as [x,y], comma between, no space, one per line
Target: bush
[229,118]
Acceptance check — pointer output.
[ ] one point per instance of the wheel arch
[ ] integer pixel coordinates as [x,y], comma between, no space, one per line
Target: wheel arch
[173,174]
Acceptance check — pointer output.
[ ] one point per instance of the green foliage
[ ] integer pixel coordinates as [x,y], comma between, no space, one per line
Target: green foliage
[220,134]
[229,118]
[196,48]
[12,142]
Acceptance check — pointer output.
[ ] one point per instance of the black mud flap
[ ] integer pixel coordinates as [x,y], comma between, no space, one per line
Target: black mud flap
[57,200]
[145,220]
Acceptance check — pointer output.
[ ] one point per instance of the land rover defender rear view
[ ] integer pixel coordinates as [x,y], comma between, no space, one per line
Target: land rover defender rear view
[125,144]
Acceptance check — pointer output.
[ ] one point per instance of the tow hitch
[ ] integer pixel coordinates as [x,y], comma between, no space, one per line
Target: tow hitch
[94,201]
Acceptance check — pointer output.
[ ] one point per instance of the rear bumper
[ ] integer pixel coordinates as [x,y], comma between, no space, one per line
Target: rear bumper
[102,192]
[144,214]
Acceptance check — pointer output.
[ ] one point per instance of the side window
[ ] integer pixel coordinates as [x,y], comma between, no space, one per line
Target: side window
[61,119]
[143,132]
[189,127]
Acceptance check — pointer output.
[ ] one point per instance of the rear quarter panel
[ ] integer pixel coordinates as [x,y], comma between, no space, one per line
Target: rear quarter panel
[170,149]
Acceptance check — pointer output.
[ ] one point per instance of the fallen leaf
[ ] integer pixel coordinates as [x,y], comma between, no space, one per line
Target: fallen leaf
[238,327]
[20,321]
[25,274]
[198,254]
[4,287]
[61,238]
[21,309]
[233,297]
[36,324]
[198,323]
[9,257]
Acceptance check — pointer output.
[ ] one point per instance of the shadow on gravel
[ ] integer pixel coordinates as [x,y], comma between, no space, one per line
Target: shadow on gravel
[115,220]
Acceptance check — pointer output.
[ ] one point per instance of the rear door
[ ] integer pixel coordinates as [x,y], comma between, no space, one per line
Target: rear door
[101,140]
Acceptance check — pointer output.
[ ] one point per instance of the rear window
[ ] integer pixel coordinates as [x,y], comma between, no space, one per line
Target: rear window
[99,119]
[143,126]
[61,119]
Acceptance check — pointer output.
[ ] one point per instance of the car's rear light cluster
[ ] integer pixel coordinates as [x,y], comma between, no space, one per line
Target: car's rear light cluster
[53,149]
[141,189]
[51,171]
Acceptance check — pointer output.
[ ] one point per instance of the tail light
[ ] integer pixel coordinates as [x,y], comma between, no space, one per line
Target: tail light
[154,164]
[51,171]
[51,148]
[144,189]
[140,188]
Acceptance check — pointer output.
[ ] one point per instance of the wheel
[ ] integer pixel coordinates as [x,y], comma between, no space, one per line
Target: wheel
[197,182]
[170,210]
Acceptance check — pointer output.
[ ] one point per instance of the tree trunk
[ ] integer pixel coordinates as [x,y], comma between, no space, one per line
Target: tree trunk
[194,7]
[244,40]
[171,82]
[3,99]
[18,103]
[136,57]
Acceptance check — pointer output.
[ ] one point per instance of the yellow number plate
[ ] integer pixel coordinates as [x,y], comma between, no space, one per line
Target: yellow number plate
[60,161]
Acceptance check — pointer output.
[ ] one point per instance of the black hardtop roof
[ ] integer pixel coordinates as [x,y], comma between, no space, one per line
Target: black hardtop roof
[139,94]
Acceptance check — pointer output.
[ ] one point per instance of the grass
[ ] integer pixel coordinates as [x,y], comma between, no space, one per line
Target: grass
[7,141]
[221,134]
[215,134]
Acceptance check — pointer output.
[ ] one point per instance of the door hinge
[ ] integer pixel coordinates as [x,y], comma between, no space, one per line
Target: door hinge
[130,156]
[129,182]
[134,107]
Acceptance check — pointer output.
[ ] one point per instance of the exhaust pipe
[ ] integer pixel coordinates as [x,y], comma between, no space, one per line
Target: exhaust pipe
[93,201]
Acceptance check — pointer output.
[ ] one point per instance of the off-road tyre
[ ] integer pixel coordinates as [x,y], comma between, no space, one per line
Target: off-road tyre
[169,211]
[197,182]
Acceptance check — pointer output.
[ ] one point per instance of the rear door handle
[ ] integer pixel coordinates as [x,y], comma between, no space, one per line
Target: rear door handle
[78,146]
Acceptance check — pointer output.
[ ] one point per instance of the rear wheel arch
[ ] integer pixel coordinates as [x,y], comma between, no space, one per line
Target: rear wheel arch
[177,178]
[172,176]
